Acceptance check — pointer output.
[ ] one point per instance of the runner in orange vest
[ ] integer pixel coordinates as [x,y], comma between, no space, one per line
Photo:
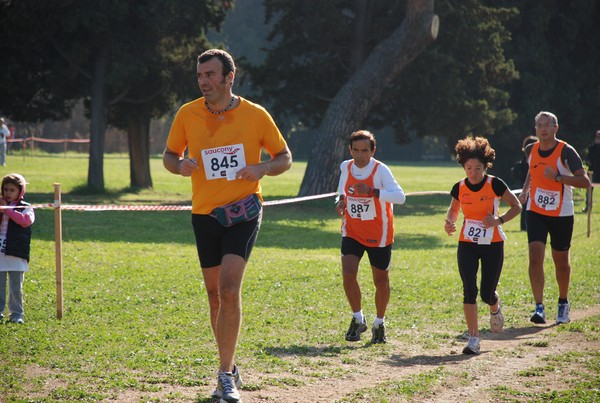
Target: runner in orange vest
[554,169]
[367,189]
[481,237]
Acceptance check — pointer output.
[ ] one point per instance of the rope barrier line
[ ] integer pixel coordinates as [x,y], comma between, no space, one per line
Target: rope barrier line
[126,207]
[174,207]
[44,140]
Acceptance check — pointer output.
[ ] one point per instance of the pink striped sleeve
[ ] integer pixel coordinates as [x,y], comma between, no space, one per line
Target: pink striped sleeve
[24,218]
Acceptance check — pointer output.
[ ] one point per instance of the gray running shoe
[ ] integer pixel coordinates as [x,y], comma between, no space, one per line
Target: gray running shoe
[539,316]
[378,334]
[497,321]
[472,346]
[564,311]
[355,329]
[237,382]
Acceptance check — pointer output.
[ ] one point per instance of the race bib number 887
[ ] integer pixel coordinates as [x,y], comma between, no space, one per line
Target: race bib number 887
[361,207]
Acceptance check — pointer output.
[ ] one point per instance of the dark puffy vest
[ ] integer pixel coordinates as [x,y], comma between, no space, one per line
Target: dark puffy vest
[18,239]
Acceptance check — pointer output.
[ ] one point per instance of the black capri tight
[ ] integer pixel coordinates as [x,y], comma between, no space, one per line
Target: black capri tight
[492,257]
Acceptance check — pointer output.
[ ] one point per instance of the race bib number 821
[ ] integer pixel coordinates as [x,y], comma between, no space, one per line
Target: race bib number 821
[476,232]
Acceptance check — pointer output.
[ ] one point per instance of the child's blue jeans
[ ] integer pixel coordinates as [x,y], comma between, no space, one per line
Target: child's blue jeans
[15,293]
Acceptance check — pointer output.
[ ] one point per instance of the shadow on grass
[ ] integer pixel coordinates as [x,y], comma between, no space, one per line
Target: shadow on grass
[310,351]
[417,242]
[517,333]
[400,360]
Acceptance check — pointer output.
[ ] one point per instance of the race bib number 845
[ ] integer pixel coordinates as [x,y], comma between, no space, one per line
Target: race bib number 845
[223,162]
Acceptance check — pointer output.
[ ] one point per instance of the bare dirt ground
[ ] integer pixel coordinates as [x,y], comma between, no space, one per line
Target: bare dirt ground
[466,378]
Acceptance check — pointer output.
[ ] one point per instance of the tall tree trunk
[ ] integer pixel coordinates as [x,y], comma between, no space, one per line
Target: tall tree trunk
[361,93]
[138,135]
[98,121]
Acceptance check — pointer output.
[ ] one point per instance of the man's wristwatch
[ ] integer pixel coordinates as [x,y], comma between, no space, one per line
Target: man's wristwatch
[558,178]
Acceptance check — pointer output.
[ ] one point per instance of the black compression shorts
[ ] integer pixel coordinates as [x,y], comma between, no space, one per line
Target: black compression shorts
[213,241]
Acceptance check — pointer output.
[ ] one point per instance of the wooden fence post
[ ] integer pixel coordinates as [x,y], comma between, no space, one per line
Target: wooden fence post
[58,250]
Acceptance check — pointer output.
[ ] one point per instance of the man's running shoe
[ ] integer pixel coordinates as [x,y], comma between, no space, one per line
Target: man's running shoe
[218,393]
[472,346]
[355,329]
[497,321]
[539,316]
[378,334]
[564,313]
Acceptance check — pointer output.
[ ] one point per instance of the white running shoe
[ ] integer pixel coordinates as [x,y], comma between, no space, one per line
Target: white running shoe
[218,393]
[472,346]
[564,313]
[497,321]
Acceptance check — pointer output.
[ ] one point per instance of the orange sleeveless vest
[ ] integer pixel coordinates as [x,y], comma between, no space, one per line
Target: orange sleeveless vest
[475,206]
[367,219]
[545,195]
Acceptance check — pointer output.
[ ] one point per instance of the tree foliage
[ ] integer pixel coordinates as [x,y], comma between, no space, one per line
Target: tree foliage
[556,48]
[460,78]
[458,86]
[454,88]
[125,58]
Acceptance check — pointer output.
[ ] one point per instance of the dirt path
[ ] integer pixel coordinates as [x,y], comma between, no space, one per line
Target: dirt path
[465,378]
[500,361]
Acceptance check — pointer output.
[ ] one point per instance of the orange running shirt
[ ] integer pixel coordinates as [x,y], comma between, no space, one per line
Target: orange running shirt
[222,145]
[475,206]
[547,196]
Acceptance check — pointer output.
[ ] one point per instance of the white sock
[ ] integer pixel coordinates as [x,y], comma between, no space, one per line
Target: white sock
[378,321]
[359,316]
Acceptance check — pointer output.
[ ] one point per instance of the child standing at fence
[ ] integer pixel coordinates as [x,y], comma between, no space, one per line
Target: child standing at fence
[15,241]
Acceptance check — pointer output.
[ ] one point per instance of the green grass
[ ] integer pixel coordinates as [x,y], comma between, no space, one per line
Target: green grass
[136,315]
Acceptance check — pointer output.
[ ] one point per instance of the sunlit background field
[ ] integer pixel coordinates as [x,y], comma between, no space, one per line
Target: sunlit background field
[135,312]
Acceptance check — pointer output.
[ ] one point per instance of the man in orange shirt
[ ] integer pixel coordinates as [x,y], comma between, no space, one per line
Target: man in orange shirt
[224,135]
[367,190]
[554,169]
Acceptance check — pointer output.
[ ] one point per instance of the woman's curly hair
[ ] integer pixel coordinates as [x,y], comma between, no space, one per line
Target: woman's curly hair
[478,147]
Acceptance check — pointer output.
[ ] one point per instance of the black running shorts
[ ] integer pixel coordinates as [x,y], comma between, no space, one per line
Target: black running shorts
[379,258]
[213,241]
[559,228]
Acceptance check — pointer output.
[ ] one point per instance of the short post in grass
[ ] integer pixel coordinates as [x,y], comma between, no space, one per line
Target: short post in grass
[58,250]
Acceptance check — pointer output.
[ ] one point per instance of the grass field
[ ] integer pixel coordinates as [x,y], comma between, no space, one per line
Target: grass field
[136,315]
